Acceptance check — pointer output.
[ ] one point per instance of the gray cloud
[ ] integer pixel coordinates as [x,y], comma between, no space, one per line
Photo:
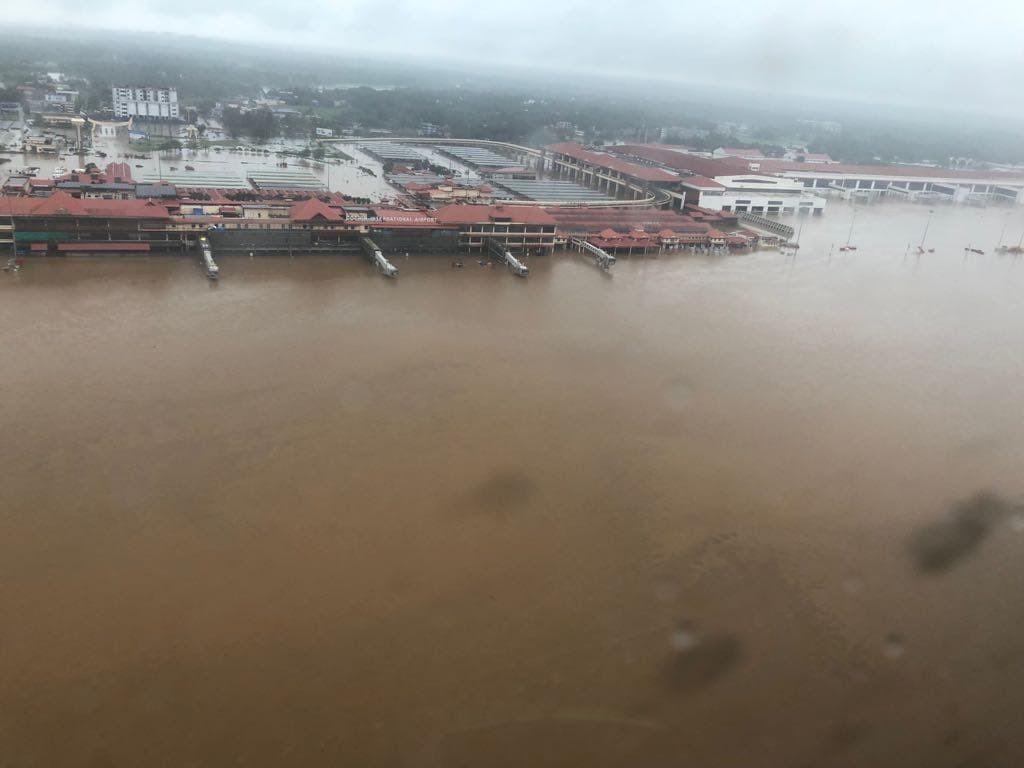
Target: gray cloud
[907,51]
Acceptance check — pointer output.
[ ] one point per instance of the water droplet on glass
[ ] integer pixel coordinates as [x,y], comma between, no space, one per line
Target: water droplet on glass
[685,638]
[893,648]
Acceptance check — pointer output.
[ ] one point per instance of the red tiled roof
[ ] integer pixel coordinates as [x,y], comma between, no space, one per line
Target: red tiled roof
[741,151]
[17,206]
[479,214]
[903,171]
[706,214]
[121,171]
[60,203]
[731,166]
[672,147]
[702,182]
[128,209]
[683,161]
[603,160]
[309,210]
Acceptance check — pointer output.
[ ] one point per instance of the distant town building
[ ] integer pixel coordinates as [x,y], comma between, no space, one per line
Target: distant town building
[157,103]
[11,110]
[43,145]
[59,100]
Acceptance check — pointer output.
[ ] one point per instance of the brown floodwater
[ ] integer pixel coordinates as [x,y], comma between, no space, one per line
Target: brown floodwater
[754,510]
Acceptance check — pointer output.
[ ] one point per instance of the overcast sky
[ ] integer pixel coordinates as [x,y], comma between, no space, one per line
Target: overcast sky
[929,51]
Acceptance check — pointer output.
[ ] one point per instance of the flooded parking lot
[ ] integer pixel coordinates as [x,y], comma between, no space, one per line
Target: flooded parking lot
[231,163]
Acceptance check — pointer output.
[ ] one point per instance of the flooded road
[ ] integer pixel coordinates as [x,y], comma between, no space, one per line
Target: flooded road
[752,510]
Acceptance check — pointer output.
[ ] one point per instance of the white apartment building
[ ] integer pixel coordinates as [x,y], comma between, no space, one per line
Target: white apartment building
[158,103]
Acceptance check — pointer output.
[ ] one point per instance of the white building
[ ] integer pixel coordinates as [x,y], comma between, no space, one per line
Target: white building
[60,100]
[749,193]
[157,103]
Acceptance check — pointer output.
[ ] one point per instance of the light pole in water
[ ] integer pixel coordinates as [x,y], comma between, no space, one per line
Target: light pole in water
[1006,221]
[926,225]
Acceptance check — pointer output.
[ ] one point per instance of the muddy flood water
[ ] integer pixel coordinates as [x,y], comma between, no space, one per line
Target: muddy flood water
[755,510]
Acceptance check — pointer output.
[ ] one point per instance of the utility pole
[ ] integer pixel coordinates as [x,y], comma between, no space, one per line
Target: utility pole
[926,225]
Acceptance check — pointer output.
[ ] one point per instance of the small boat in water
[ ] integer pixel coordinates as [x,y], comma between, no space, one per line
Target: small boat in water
[189,168]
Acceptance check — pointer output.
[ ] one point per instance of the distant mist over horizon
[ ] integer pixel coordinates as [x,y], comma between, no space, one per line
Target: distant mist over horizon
[944,56]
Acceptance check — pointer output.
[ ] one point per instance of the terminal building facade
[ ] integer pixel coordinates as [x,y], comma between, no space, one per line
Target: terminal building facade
[153,103]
